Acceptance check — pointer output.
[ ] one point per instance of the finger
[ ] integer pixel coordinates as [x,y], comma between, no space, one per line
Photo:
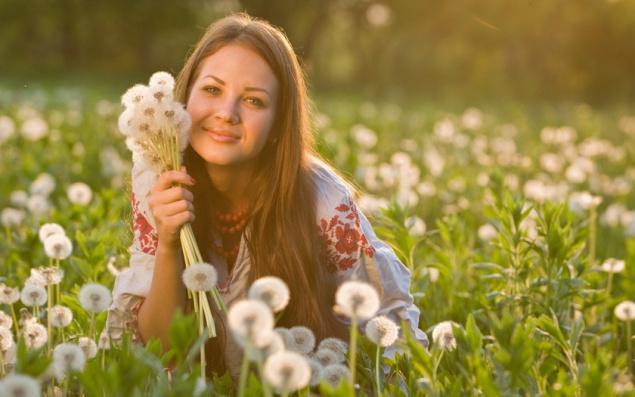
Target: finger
[174,208]
[170,178]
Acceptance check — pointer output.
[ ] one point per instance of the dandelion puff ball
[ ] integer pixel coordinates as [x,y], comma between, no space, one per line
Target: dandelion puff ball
[94,297]
[200,277]
[271,290]
[303,339]
[250,320]
[47,275]
[356,299]
[33,295]
[35,335]
[61,316]
[79,193]
[334,344]
[285,333]
[19,385]
[134,96]
[382,331]
[162,79]
[272,343]
[49,229]
[104,341]
[612,265]
[58,246]
[88,346]
[625,311]
[9,295]
[316,371]
[443,335]
[328,357]
[69,357]
[6,322]
[334,374]
[287,371]
[6,339]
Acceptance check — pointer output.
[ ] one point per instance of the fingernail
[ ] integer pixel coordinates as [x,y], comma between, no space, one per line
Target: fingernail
[193,180]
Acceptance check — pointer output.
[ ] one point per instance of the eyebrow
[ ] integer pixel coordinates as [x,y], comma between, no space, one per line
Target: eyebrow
[249,89]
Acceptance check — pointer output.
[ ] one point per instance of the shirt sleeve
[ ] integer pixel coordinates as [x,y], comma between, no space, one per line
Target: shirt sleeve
[133,284]
[356,253]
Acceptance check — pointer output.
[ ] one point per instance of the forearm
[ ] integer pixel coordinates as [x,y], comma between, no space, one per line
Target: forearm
[167,294]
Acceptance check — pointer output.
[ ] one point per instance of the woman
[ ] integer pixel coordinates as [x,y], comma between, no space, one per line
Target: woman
[259,200]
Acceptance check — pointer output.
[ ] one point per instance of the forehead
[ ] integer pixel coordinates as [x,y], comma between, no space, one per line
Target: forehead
[240,65]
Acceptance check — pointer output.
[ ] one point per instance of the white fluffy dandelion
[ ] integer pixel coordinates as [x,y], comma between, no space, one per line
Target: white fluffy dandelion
[38,205]
[94,297]
[69,357]
[19,385]
[286,336]
[334,374]
[88,346]
[6,339]
[249,320]
[303,339]
[43,185]
[58,246]
[625,311]
[316,371]
[61,316]
[356,299]
[287,371]
[328,357]
[6,322]
[271,343]
[200,277]
[11,217]
[382,331]
[19,198]
[33,295]
[612,265]
[79,193]
[272,291]
[335,344]
[9,295]
[47,275]
[49,229]
[35,335]
[443,335]
[104,341]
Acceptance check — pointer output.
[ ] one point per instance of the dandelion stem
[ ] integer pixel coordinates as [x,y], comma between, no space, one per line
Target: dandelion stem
[592,233]
[377,380]
[352,354]
[629,345]
[15,319]
[201,329]
[244,371]
[609,284]
[49,327]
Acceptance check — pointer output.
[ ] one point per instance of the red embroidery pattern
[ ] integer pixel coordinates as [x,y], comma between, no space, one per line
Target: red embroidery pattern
[133,324]
[145,235]
[344,239]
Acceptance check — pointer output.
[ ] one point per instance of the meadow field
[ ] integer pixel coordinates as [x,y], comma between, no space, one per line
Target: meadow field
[516,221]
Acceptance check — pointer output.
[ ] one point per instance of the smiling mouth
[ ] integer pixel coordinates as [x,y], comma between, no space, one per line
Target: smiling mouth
[221,135]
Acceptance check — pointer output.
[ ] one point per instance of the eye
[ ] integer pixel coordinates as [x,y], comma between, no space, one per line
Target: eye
[255,101]
[211,89]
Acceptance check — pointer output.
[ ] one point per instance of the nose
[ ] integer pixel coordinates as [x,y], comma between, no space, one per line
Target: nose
[227,112]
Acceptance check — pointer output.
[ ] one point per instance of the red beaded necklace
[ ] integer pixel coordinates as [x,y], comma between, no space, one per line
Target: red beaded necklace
[228,226]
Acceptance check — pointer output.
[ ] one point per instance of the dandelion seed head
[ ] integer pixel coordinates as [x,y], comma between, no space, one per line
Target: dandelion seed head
[487,232]
[334,374]
[69,357]
[79,193]
[287,371]
[612,265]
[272,291]
[625,311]
[286,336]
[303,339]
[443,335]
[250,320]
[33,295]
[34,129]
[316,371]
[47,275]
[43,185]
[49,229]
[94,297]
[200,277]
[7,128]
[19,385]
[11,217]
[382,331]
[35,335]
[9,295]
[6,339]
[134,96]
[88,346]
[58,246]
[272,343]
[19,198]
[61,316]
[38,205]
[335,344]
[356,299]
[328,357]
[162,79]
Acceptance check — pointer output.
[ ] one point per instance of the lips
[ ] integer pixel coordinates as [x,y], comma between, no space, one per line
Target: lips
[221,135]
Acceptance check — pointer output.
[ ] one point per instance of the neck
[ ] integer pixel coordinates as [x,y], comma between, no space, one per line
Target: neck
[232,183]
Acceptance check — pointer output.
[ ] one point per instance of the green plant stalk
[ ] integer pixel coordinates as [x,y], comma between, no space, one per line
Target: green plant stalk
[49,326]
[609,285]
[629,345]
[201,329]
[352,354]
[592,233]
[244,370]
[261,370]
[15,320]
[377,356]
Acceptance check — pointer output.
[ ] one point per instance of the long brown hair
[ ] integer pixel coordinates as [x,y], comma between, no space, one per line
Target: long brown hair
[283,238]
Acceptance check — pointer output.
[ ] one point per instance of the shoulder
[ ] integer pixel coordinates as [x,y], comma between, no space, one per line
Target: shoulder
[331,188]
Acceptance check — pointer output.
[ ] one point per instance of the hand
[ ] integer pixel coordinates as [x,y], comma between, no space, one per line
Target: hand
[171,205]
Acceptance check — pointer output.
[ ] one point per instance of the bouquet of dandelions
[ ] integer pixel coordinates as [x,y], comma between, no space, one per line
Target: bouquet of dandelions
[156,129]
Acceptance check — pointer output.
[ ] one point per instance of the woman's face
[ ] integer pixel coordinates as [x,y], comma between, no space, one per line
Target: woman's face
[233,105]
